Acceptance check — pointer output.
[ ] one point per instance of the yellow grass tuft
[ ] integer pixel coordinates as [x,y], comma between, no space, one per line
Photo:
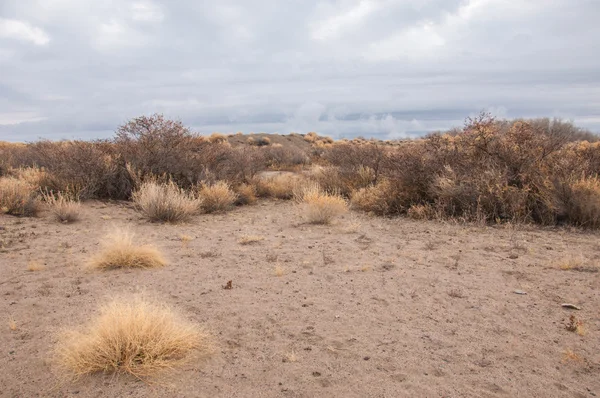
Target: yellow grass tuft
[250,239]
[34,265]
[18,197]
[64,209]
[570,356]
[119,251]
[246,194]
[281,186]
[165,202]
[216,197]
[185,240]
[279,270]
[131,336]
[321,207]
[290,357]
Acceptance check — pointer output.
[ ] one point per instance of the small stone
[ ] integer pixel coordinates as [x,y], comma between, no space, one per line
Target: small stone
[570,306]
[513,256]
[519,292]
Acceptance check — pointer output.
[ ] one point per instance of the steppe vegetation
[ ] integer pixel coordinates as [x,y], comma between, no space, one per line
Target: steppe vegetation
[339,232]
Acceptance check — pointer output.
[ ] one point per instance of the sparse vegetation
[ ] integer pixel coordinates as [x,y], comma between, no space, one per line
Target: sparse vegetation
[165,202]
[63,208]
[216,197]
[120,251]
[250,239]
[131,335]
[18,197]
[35,265]
[321,207]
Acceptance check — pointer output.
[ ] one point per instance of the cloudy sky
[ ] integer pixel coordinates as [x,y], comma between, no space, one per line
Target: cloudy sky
[385,68]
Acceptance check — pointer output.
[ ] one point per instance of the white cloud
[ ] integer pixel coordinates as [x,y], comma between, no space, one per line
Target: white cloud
[335,25]
[340,67]
[20,30]
[145,11]
[416,42]
[14,118]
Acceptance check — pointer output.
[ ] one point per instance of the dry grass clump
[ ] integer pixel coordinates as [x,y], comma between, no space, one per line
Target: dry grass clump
[217,138]
[119,251]
[34,266]
[63,208]
[378,199]
[246,194]
[216,197]
[280,186]
[130,336]
[321,207]
[250,239]
[165,202]
[18,198]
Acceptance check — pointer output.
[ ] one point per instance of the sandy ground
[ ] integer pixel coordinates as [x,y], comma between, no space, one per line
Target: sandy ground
[367,307]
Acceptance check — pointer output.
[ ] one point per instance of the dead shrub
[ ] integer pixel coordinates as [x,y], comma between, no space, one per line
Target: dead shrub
[321,207]
[120,251]
[281,157]
[581,201]
[131,335]
[63,208]
[381,199]
[165,202]
[216,197]
[18,198]
[81,168]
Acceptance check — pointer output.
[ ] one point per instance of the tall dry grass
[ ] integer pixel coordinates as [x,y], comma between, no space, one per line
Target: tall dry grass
[18,197]
[119,250]
[63,208]
[131,335]
[216,197]
[165,202]
[321,207]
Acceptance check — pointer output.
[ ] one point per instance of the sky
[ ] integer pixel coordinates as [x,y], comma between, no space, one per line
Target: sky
[77,69]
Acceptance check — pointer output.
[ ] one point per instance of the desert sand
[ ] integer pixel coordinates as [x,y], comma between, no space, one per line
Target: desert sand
[366,307]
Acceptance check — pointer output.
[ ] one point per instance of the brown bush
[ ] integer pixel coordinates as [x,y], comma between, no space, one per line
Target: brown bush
[580,201]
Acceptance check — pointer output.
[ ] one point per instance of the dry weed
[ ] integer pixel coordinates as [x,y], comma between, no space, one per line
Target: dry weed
[132,336]
[322,208]
[165,202]
[217,197]
[250,239]
[34,265]
[12,324]
[18,198]
[119,251]
[64,209]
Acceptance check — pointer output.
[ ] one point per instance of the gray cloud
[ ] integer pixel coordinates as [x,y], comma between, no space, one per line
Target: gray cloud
[386,68]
